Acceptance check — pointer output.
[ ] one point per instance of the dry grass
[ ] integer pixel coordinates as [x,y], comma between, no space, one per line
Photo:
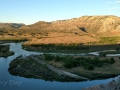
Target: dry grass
[63,39]
[105,69]
[13,38]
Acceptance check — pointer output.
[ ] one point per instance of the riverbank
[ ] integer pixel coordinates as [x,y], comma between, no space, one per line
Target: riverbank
[106,71]
[112,85]
[59,61]
[4,51]
[91,67]
[74,48]
[12,39]
[27,67]
[38,83]
[30,68]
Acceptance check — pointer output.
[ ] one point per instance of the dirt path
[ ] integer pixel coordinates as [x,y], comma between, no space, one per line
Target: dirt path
[59,71]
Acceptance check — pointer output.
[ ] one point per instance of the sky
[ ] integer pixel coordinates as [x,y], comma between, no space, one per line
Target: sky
[31,11]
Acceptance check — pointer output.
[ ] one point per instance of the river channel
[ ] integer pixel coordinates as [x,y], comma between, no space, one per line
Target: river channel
[10,82]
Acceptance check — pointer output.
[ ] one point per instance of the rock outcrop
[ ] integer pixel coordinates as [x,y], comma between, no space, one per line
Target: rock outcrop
[112,85]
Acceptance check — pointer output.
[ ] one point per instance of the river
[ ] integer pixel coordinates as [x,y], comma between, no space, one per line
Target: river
[10,82]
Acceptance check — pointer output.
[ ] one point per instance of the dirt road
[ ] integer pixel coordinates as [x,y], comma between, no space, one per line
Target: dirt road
[59,71]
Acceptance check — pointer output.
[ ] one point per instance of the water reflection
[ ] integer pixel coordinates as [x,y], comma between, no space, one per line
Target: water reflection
[35,84]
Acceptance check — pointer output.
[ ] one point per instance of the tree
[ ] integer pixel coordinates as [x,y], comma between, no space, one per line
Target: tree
[90,67]
[58,58]
[48,57]
[68,64]
[112,60]
[75,63]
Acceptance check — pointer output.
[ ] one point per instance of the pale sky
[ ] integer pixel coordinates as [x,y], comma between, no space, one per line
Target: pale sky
[31,11]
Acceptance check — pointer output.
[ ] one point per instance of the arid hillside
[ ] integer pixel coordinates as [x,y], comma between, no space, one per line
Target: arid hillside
[87,24]
[4,26]
[65,30]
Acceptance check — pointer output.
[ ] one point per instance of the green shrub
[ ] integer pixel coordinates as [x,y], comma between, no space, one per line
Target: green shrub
[48,57]
[90,67]
[112,60]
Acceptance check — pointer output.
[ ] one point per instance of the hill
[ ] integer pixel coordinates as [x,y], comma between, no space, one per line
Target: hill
[88,26]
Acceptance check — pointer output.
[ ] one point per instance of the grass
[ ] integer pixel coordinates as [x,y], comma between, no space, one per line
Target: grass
[57,48]
[109,40]
[91,48]
[16,39]
[110,52]
[106,71]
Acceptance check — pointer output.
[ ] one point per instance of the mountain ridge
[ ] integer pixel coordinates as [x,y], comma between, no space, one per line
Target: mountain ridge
[76,30]
[90,24]
[85,25]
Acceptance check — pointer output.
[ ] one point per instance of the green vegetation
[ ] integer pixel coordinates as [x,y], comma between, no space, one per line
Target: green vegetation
[105,40]
[94,75]
[4,51]
[114,52]
[29,68]
[57,47]
[90,67]
[15,39]
[109,40]
[70,48]
[103,54]
[87,63]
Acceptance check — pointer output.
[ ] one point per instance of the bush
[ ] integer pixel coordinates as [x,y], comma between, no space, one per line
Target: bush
[48,57]
[100,64]
[58,58]
[112,60]
[90,67]
[68,64]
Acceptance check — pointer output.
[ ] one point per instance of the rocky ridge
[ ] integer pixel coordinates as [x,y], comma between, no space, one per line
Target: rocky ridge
[81,25]
[86,24]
